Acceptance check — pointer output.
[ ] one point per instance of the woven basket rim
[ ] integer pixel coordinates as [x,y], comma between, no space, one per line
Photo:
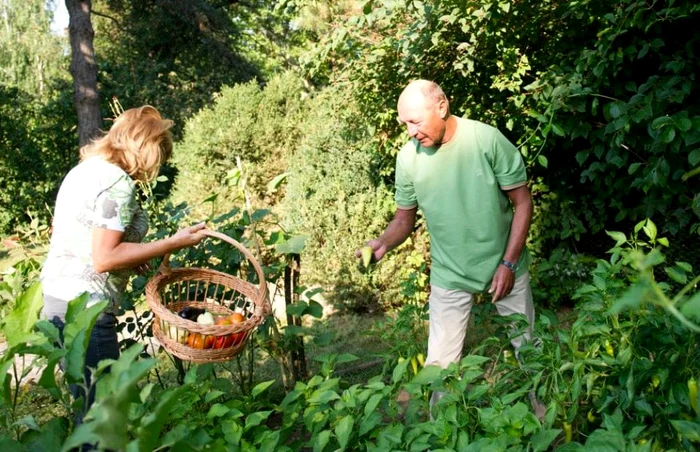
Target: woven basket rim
[255,296]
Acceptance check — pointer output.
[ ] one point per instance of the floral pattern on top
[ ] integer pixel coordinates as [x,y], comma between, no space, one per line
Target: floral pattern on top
[94,194]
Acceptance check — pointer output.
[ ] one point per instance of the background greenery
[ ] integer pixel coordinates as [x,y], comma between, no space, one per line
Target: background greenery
[286,133]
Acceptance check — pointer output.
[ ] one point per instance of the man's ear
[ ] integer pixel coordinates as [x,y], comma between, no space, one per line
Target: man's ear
[443,109]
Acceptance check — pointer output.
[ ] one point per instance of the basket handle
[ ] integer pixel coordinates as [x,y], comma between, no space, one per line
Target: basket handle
[165,264]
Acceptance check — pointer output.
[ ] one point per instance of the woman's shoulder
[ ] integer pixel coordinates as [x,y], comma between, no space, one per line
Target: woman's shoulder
[105,173]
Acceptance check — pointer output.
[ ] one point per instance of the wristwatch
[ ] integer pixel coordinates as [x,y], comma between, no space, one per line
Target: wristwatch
[511,266]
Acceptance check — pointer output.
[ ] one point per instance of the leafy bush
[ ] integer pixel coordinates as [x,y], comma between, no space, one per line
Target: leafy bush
[253,123]
[554,279]
[38,150]
[332,196]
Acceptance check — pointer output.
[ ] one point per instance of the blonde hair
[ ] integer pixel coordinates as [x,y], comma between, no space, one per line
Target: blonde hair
[139,141]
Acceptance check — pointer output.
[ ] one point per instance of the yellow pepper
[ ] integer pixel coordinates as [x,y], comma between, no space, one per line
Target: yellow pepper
[609,348]
[567,432]
[591,416]
[693,393]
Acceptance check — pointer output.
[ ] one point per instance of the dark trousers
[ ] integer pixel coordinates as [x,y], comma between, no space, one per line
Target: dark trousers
[103,344]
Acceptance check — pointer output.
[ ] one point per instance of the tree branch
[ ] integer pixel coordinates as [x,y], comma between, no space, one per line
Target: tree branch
[97,13]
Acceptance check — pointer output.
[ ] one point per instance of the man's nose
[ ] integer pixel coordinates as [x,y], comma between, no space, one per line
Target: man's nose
[412,130]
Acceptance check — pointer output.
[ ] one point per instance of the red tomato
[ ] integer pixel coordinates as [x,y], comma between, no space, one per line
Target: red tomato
[235,318]
[195,340]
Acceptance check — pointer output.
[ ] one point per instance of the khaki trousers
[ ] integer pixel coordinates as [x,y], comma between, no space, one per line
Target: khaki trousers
[449,315]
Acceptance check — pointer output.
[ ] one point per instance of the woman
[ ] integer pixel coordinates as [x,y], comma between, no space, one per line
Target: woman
[98,227]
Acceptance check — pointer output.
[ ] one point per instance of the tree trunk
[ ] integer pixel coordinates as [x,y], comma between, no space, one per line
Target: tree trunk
[84,70]
[291,295]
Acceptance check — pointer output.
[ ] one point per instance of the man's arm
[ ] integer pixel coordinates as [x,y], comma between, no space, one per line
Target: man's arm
[398,230]
[504,278]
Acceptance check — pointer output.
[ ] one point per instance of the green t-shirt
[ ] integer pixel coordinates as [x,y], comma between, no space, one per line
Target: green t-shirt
[459,188]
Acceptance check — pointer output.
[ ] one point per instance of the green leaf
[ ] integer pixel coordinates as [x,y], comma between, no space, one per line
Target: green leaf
[619,237]
[684,265]
[46,438]
[346,358]
[148,433]
[687,429]
[473,361]
[615,110]
[633,168]
[541,440]
[294,245]
[315,309]
[75,358]
[370,422]
[344,429]
[107,421]
[259,215]
[261,387]
[691,308]
[297,309]
[255,419]
[75,307]
[660,122]
[605,441]
[372,403]
[320,397]
[399,371]
[393,433]
[631,299]
[581,157]
[650,230]
[694,157]
[542,160]
[274,184]
[48,376]
[321,440]
[212,395]
[558,130]
[644,407]
[676,275]
[17,326]
[211,198]
[426,375]
[667,134]
[217,410]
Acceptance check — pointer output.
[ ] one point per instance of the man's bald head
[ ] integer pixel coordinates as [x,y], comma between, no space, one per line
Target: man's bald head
[424,109]
[424,92]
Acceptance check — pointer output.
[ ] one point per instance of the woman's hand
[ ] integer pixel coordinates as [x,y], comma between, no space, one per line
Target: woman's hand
[142,269]
[188,236]
[109,253]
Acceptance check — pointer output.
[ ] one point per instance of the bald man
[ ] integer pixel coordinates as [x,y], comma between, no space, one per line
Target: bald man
[470,183]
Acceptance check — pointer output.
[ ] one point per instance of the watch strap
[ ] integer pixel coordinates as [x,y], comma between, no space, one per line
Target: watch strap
[510,265]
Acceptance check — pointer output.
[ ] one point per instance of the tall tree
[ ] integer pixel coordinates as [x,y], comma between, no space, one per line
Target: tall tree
[30,56]
[84,70]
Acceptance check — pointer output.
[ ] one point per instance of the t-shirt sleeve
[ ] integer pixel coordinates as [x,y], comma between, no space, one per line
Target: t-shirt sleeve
[508,165]
[115,205]
[405,195]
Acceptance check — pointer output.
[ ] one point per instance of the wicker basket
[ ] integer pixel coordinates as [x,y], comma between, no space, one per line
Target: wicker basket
[173,289]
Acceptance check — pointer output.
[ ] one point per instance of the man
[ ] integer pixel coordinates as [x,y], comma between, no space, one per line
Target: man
[470,183]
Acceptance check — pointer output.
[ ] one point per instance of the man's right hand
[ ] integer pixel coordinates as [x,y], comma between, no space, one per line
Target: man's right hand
[378,250]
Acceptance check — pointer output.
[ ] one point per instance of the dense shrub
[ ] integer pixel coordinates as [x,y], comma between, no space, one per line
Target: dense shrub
[332,196]
[38,148]
[256,124]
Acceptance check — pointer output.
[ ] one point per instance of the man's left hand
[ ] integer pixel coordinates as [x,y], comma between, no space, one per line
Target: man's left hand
[502,284]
